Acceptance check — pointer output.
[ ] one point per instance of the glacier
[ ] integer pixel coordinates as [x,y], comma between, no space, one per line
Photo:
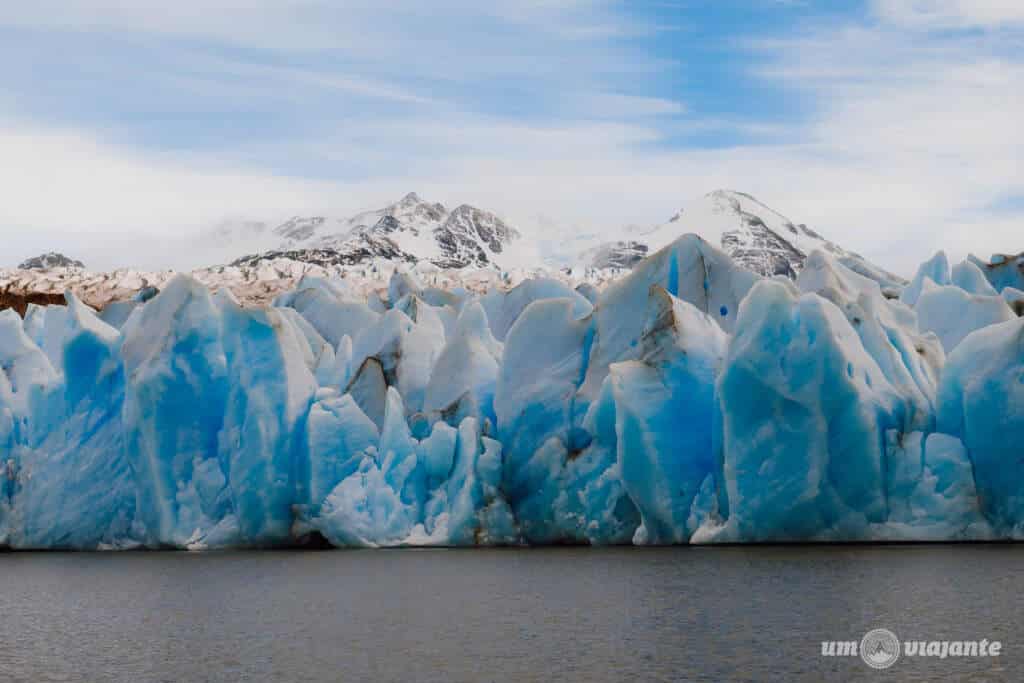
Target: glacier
[690,401]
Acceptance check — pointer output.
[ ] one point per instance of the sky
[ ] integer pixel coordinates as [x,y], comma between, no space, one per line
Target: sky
[893,127]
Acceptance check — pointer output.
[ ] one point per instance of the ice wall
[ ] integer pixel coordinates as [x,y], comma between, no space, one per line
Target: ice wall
[689,402]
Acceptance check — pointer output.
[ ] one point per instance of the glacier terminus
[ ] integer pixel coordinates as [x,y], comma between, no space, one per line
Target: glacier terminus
[692,400]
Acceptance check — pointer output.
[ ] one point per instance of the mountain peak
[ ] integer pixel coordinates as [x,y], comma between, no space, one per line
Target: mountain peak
[50,259]
[754,235]
[409,230]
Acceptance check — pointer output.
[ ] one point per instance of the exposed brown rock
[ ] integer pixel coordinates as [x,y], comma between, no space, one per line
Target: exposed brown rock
[19,301]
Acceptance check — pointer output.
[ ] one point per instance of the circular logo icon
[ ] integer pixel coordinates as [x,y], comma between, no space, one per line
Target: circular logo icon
[880,648]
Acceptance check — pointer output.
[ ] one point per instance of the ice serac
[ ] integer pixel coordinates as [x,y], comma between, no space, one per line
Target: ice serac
[544,360]
[1002,270]
[116,314]
[888,331]
[53,326]
[406,347]
[981,401]
[317,353]
[27,373]
[77,489]
[35,316]
[935,269]
[953,313]
[338,436]
[270,389]
[478,512]
[689,269]
[403,284]
[467,366]
[593,506]
[328,311]
[379,503]
[953,303]
[968,276]
[805,414]
[26,380]
[443,490]
[176,393]
[504,308]
[664,405]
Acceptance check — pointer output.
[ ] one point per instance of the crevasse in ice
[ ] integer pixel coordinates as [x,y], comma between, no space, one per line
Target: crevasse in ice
[688,402]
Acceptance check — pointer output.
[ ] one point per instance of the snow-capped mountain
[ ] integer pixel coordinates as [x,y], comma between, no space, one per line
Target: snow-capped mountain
[464,247]
[756,236]
[409,230]
[50,259]
[413,230]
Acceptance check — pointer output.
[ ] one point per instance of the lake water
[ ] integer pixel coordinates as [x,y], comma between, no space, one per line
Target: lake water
[714,614]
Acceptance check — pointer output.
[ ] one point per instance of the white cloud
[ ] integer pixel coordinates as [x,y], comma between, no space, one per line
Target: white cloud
[917,133]
[68,186]
[895,209]
[912,140]
[951,14]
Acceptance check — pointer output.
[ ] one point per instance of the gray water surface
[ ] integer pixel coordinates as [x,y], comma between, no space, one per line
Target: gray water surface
[714,614]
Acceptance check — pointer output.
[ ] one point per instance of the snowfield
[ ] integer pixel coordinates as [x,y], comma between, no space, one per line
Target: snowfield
[690,400]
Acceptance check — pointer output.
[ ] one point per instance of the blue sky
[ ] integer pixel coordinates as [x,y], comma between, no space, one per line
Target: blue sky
[892,126]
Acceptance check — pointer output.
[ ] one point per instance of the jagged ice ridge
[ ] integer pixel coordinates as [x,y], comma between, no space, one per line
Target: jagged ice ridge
[691,401]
